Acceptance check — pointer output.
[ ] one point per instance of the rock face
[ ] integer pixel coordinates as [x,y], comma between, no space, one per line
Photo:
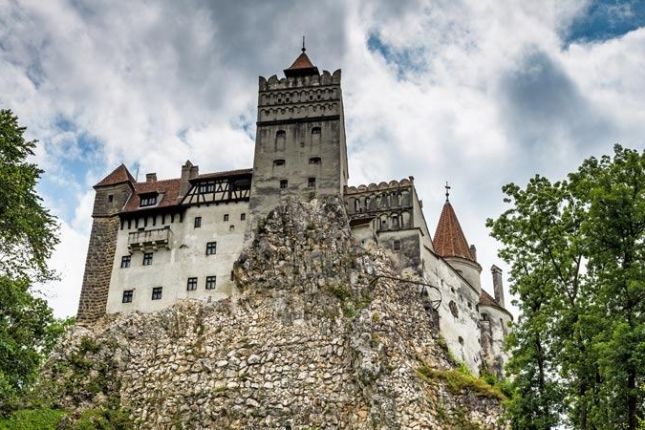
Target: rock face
[311,342]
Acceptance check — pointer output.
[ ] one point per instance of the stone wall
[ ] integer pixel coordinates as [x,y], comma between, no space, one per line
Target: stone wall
[312,341]
[98,269]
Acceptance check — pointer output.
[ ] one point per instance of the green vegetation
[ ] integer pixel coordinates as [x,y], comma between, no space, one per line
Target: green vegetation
[32,419]
[577,254]
[460,379]
[28,329]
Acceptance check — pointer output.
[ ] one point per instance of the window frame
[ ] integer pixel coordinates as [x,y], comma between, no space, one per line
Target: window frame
[128,296]
[147,258]
[157,293]
[211,248]
[197,223]
[147,200]
[211,282]
[284,184]
[191,283]
[126,261]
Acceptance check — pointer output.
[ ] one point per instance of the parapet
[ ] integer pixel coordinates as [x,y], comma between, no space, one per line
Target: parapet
[394,184]
[274,83]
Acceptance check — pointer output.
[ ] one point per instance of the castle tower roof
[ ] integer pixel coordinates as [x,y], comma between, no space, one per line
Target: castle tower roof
[302,66]
[449,239]
[118,176]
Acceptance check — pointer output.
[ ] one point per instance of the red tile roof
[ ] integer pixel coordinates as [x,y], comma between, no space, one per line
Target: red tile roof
[487,299]
[168,191]
[118,176]
[301,67]
[449,239]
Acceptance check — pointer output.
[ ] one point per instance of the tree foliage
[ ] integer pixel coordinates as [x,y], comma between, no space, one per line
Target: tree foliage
[577,256]
[28,328]
[27,229]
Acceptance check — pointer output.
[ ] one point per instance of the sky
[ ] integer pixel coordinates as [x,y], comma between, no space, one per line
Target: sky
[478,93]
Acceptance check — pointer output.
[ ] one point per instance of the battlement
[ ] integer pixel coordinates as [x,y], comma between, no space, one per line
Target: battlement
[322,79]
[382,186]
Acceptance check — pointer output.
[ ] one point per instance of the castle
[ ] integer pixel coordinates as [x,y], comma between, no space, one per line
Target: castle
[159,241]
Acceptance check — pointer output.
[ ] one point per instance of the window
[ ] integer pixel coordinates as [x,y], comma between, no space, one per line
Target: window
[110,198]
[279,162]
[315,160]
[315,130]
[198,222]
[225,217]
[311,182]
[280,138]
[211,248]
[206,187]
[148,200]
[242,217]
[453,309]
[125,261]
[147,259]
[127,296]
[397,245]
[283,184]
[156,293]
[191,285]
[232,275]
[210,282]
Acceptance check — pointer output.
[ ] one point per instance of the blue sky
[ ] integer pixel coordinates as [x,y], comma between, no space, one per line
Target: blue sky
[476,92]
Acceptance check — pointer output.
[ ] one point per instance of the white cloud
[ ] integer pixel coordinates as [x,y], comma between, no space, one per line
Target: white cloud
[493,96]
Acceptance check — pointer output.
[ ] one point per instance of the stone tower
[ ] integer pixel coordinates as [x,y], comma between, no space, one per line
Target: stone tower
[111,195]
[300,140]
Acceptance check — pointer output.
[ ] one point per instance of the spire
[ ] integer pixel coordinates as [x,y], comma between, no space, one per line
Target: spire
[449,239]
[302,66]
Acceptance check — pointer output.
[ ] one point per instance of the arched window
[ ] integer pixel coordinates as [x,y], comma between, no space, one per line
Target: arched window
[395,221]
[280,140]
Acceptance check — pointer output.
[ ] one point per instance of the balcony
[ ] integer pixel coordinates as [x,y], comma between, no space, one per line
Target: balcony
[149,240]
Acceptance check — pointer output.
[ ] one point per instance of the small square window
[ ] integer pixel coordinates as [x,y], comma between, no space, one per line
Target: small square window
[283,184]
[127,296]
[211,248]
[280,162]
[311,182]
[191,285]
[225,217]
[156,293]
[314,160]
[242,217]
[110,198]
[397,245]
[198,222]
[210,282]
[125,261]
[147,259]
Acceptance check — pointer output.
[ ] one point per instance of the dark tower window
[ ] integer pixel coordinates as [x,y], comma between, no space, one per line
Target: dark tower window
[198,222]
[225,217]
[315,136]
[127,296]
[147,259]
[211,248]
[191,284]
[315,160]
[280,140]
[125,261]
[210,282]
[110,198]
[311,182]
[315,130]
[397,245]
[242,217]
[279,162]
[284,183]
[156,293]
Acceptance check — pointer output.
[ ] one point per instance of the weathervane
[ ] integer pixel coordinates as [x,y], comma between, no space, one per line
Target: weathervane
[303,44]
[447,187]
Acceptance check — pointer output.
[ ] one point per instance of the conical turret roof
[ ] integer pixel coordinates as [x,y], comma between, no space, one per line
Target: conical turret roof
[449,239]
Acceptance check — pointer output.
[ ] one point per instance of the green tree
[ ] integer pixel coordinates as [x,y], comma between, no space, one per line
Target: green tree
[577,262]
[27,238]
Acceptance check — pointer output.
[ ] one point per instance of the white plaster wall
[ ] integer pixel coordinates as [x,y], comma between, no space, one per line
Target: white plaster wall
[499,323]
[454,288]
[186,258]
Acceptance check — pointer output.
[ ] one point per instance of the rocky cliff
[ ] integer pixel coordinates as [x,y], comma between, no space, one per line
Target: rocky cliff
[312,341]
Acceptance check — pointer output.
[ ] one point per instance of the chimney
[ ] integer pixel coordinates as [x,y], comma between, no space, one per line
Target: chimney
[188,171]
[151,177]
[498,285]
[473,252]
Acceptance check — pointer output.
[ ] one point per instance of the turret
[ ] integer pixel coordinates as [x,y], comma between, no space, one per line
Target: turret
[111,195]
[300,140]
[450,243]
